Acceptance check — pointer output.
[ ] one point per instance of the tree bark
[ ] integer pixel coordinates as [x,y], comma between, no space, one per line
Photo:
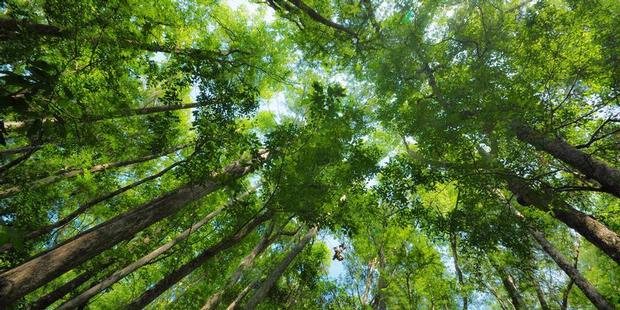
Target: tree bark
[19,159]
[85,296]
[511,288]
[19,281]
[593,168]
[181,272]
[14,125]
[457,268]
[586,287]
[11,27]
[314,15]
[571,270]
[368,282]
[83,208]
[571,283]
[276,273]
[607,176]
[19,150]
[245,263]
[67,174]
[591,229]
[379,301]
[47,300]
[541,297]
[233,304]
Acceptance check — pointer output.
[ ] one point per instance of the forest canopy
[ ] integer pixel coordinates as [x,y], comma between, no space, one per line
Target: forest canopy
[309,154]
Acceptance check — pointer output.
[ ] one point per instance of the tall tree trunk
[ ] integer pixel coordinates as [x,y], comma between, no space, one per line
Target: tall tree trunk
[85,296]
[19,281]
[594,231]
[19,150]
[310,12]
[540,294]
[18,160]
[67,174]
[47,300]
[83,208]
[511,288]
[607,176]
[541,297]
[245,263]
[276,273]
[571,270]
[233,304]
[379,301]
[593,168]
[457,268]
[591,229]
[181,272]
[12,27]
[571,282]
[368,282]
[14,125]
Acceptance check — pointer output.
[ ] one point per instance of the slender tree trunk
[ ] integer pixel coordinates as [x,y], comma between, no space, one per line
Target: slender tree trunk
[85,296]
[591,229]
[541,297]
[171,279]
[379,301]
[13,27]
[61,175]
[276,273]
[511,288]
[496,295]
[14,125]
[47,300]
[457,268]
[368,283]
[241,295]
[83,208]
[310,12]
[18,160]
[19,281]
[573,273]
[19,150]
[571,270]
[607,176]
[245,263]
[571,282]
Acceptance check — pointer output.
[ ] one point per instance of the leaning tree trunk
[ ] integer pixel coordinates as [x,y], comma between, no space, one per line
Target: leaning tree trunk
[85,296]
[541,297]
[571,270]
[511,288]
[571,283]
[275,274]
[245,263]
[14,125]
[457,268]
[21,149]
[591,229]
[47,300]
[61,175]
[4,168]
[607,176]
[586,287]
[83,208]
[593,168]
[379,302]
[233,304]
[19,281]
[181,272]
